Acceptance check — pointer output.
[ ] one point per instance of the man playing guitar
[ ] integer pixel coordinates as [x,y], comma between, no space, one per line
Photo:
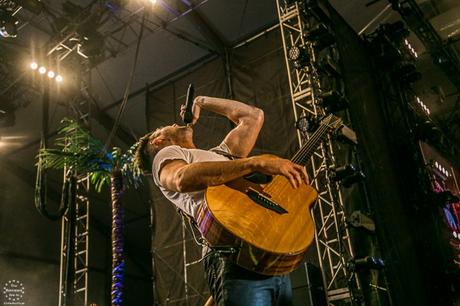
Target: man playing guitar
[183,172]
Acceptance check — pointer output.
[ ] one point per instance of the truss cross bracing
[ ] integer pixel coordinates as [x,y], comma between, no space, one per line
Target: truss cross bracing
[75,223]
[332,238]
[79,243]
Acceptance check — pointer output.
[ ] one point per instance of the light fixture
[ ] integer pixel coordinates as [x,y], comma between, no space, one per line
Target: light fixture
[50,73]
[327,65]
[359,220]
[396,31]
[426,130]
[366,263]
[305,124]
[347,175]
[321,36]
[298,56]
[410,48]
[8,24]
[333,101]
[153,1]
[423,105]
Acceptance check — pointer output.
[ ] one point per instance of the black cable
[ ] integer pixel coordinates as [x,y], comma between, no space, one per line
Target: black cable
[128,87]
[41,194]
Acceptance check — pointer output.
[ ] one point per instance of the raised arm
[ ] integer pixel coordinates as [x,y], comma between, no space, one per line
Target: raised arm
[248,120]
[177,175]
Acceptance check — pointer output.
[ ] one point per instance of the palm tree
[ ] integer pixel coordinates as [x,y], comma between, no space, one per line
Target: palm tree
[80,152]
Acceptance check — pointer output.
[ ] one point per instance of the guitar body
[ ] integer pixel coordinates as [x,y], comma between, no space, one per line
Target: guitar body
[271,240]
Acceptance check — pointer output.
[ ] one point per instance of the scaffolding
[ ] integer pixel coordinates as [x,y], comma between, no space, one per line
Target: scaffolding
[75,229]
[76,221]
[298,23]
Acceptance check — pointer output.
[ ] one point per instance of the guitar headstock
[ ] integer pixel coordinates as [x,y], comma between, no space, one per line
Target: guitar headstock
[332,122]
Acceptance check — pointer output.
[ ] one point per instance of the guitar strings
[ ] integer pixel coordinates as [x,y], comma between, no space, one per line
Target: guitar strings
[298,157]
[318,134]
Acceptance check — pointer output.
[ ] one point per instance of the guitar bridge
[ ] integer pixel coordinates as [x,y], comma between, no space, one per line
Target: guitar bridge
[264,201]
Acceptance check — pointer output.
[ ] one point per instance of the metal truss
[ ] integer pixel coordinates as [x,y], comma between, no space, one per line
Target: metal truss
[117,28]
[332,237]
[82,240]
[76,220]
[75,224]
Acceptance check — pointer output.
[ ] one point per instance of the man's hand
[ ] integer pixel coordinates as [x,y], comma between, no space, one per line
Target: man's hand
[279,166]
[196,109]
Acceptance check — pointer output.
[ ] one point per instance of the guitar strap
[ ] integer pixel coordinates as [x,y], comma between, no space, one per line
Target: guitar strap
[226,154]
[194,226]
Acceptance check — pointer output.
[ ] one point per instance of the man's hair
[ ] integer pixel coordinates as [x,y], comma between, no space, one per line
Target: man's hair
[145,152]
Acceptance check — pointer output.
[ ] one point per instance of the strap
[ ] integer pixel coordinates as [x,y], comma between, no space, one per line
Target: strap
[192,224]
[226,154]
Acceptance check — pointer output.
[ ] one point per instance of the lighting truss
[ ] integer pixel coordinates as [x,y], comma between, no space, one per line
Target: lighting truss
[80,245]
[333,242]
[81,229]
[119,28]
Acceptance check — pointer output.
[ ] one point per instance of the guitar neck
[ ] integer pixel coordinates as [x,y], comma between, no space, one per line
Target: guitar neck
[307,149]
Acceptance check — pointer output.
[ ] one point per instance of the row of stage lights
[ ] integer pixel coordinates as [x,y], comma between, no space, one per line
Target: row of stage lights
[411,49]
[441,169]
[423,105]
[50,73]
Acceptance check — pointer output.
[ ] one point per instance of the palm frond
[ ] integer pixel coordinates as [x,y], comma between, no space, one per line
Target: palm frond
[76,148]
[130,167]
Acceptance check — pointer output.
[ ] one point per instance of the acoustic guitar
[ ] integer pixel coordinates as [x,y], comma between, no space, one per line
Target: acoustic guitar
[268,225]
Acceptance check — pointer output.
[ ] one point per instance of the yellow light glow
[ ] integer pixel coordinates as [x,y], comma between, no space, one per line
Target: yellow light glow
[33,65]
[59,78]
[51,74]
[42,70]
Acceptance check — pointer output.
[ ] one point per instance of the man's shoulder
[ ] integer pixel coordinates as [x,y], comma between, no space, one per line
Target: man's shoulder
[221,147]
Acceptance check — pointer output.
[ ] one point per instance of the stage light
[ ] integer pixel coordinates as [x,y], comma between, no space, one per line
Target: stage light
[327,65]
[33,65]
[298,56]
[153,1]
[42,70]
[410,48]
[359,220]
[51,74]
[321,36]
[8,24]
[396,31]
[305,123]
[366,263]
[59,78]
[426,130]
[333,101]
[347,175]
[423,105]
[91,43]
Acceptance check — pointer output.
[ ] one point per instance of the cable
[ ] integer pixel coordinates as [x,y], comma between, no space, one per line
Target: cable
[128,87]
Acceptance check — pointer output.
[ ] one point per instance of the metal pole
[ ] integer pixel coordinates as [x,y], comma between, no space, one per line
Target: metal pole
[184,248]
